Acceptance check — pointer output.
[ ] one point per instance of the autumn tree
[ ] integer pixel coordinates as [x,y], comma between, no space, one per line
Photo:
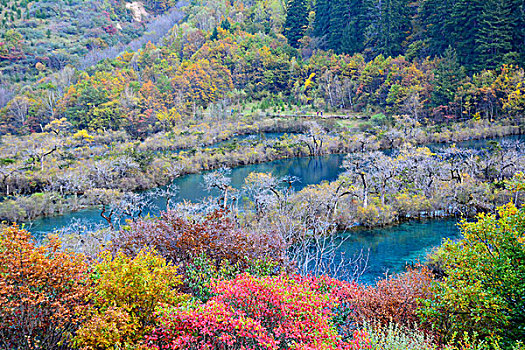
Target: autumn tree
[482,290]
[43,290]
[125,294]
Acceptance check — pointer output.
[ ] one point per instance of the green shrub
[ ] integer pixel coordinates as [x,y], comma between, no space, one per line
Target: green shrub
[483,290]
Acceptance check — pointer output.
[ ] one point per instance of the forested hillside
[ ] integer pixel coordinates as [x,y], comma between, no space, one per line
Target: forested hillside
[231,67]
[485,34]
[120,123]
[393,57]
[41,37]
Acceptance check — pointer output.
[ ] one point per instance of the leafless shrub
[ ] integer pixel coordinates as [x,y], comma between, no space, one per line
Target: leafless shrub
[6,95]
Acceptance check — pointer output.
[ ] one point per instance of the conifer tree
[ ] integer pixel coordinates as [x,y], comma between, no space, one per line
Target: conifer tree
[465,23]
[433,17]
[226,25]
[390,24]
[296,22]
[447,78]
[214,35]
[495,34]
[322,18]
[354,33]
[342,24]
[517,17]
[338,21]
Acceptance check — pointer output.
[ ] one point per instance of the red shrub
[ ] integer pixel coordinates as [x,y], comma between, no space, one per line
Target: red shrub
[395,298]
[360,340]
[178,239]
[279,312]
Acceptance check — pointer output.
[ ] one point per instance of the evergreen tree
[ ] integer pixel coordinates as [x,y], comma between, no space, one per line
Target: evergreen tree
[447,77]
[495,34]
[433,17]
[338,21]
[465,24]
[390,25]
[342,24]
[214,35]
[354,33]
[517,22]
[296,22]
[226,25]
[322,18]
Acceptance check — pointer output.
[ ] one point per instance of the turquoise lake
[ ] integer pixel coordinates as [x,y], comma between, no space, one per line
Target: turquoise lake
[389,249]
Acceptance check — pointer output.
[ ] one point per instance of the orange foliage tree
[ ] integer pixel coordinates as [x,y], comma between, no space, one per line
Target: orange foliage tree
[202,82]
[42,292]
[395,298]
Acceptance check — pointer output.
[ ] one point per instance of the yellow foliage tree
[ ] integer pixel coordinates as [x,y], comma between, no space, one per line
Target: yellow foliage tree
[127,291]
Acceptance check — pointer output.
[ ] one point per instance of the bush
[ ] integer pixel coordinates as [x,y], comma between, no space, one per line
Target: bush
[200,272]
[280,312]
[126,293]
[393,337]
[375,214]
[483,288]
[179,239]
[42,292]
[395,298]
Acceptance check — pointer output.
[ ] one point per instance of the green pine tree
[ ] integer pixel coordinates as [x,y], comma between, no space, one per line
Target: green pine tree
[517,19]
[354,33]
[214,35]
[390,25]
[433,17]
[447,78]
[495,34]
[338,22]
[226,25]
[465,24]
[296,22]
[322,18]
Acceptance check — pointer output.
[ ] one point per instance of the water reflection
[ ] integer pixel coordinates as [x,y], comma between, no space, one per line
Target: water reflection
[390,249]
[308,170]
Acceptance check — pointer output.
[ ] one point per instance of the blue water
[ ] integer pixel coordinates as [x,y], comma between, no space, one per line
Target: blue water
[476,144]
[309,170]
[389,249]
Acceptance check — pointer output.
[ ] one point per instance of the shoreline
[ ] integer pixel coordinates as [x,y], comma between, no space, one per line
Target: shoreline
[514,131]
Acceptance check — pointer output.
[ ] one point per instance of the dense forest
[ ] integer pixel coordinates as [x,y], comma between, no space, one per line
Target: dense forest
[232,56]
[104,104]
[484,34]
